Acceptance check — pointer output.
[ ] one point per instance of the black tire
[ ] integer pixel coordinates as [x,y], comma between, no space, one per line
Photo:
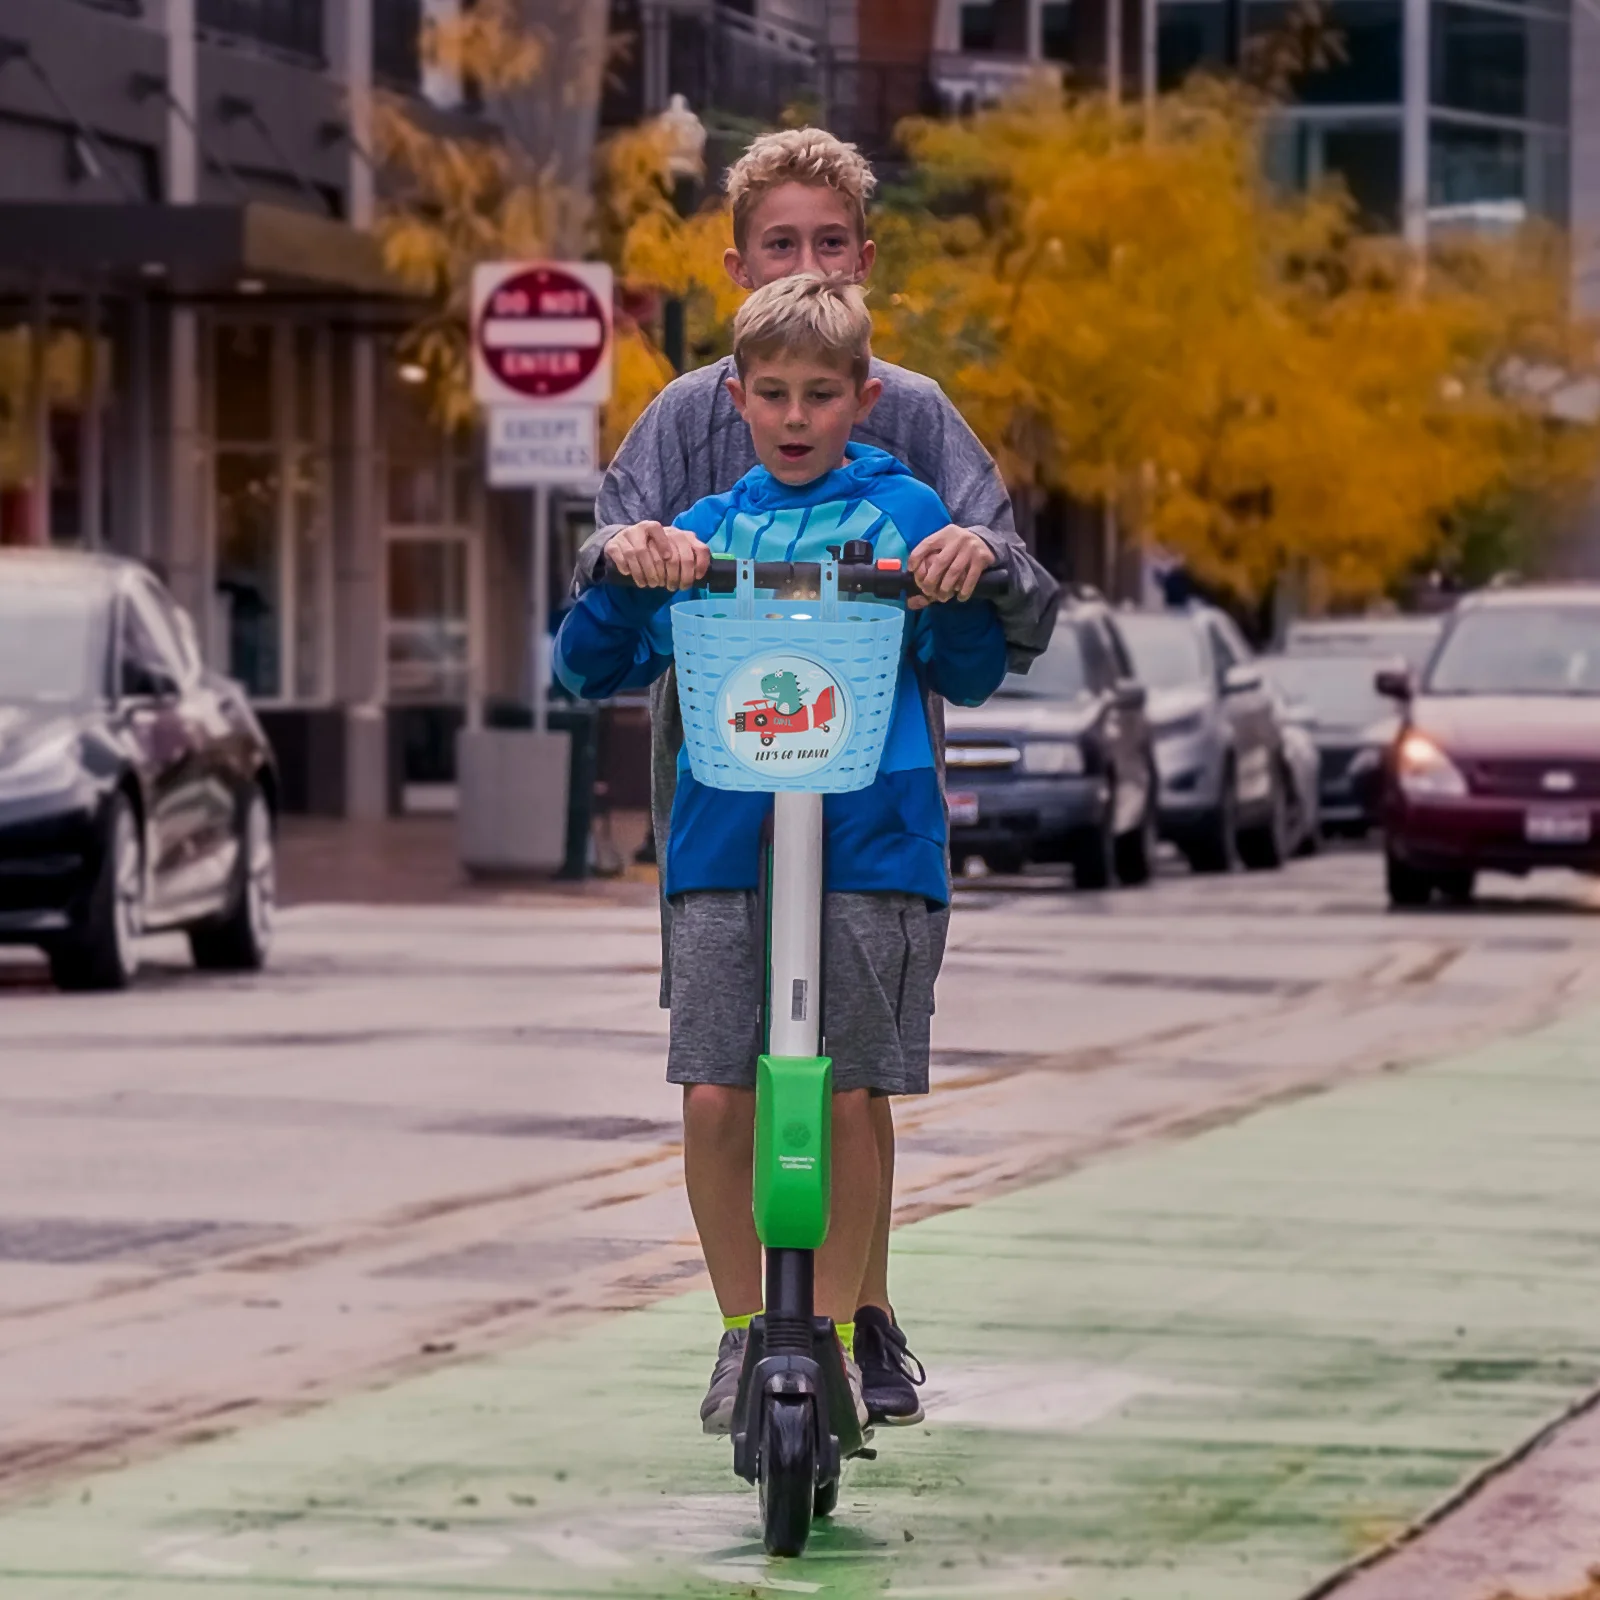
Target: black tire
[826,1500]
[101,952]
[1214,847]
[1094,856]
[1458,887]
[1136,851]
[1265,847]
[1408,888]
[241,940]
[788,1477]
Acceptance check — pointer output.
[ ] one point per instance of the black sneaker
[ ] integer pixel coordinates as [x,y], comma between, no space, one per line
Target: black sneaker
[889,1372]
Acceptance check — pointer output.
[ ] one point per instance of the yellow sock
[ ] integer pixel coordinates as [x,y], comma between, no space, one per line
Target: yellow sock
[847,1337]
[742,1323]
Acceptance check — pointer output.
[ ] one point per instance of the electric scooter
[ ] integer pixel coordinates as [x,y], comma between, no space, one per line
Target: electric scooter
[797,707]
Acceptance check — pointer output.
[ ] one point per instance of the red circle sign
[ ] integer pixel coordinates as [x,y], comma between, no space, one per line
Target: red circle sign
[542,332]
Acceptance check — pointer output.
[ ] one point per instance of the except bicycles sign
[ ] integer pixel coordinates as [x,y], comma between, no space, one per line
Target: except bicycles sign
[541,332]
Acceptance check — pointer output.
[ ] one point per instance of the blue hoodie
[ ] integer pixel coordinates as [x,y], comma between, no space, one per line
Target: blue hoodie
[890,836]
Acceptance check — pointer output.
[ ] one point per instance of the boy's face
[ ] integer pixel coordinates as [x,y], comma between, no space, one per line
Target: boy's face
[800,227]
[800,411]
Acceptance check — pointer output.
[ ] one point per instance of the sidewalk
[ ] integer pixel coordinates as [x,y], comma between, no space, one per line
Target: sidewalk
[1211,1370]
[414,861]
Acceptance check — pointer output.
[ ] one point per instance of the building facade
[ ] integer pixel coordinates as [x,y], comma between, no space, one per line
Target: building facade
[198,367]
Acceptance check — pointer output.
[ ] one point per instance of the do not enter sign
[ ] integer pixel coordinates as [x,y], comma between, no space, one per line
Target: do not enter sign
[541,331]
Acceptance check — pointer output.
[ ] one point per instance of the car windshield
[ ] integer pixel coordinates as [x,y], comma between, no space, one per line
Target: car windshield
[1166,650]
[1336,688]
[1056,675]
[1412,640]
[53,643]
[1526,650]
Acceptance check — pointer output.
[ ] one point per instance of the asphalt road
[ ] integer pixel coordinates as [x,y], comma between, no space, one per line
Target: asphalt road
[432,1133]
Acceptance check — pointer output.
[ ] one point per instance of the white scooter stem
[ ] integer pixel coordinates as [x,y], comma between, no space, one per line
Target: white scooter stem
[795,1001]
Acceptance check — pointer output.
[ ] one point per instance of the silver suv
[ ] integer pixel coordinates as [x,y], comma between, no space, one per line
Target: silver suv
[1224,793]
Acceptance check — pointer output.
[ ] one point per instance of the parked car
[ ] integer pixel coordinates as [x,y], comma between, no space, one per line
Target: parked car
[1302,766]
[1409,637]
[1497,763]
[1225,790]
[1334,699]
[137,791]
[1058,765]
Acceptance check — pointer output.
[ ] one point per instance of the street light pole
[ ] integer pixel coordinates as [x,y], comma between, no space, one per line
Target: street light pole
[686,145]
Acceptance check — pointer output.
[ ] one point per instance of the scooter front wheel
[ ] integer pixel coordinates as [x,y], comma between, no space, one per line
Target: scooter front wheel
[788,1473]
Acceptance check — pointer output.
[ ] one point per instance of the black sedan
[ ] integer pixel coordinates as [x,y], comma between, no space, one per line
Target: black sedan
[137,790]
[1059,765]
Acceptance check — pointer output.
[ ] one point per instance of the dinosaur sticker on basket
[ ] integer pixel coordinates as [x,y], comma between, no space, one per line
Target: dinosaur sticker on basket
[783,713]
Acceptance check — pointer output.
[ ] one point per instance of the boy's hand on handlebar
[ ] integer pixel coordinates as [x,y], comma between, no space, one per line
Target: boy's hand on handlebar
[659,558]
[947,566]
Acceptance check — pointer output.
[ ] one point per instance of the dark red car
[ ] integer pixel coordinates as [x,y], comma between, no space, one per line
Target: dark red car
[1497,762]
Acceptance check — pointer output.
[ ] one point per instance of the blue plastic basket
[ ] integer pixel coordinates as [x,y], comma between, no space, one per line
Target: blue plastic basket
[786,694]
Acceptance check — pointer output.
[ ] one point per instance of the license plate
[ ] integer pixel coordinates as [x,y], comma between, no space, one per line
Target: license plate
[1558,827]
[963,807]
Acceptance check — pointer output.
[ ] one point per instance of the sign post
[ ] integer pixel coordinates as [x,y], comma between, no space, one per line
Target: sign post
[541,366]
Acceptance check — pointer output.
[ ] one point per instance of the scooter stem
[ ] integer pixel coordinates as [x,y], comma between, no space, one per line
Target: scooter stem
[795,1026]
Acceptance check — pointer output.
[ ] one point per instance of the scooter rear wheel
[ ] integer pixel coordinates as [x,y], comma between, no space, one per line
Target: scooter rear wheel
[788,1474]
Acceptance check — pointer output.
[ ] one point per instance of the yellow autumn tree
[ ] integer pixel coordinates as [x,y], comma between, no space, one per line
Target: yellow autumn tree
[456,199]
[1126,311]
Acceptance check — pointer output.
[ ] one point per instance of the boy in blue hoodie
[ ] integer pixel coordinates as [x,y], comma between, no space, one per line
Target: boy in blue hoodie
[802,353]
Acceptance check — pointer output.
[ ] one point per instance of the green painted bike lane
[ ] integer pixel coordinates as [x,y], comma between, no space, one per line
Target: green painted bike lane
[1210,1370]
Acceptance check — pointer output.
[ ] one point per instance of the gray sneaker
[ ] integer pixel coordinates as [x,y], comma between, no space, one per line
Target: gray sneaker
[716,1410]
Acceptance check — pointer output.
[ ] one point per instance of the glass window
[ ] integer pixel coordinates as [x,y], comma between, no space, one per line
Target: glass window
[1367,70]
[1338,690]
[1534,650]
[307,386]
[1101,672]
[1189,35]
[1059,674]
[245,376]
[428,632]
[1500,63]
[978,27]
[310,580]
[149,658]
[248,574]
[1495,177]
[1364,155]
[163,628]
[291,25]
[1166,650]
[1055,27]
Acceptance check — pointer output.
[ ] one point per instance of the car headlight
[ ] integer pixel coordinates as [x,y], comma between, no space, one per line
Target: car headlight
[1181,727]
[48,768]
[1052,757]
[1424,769]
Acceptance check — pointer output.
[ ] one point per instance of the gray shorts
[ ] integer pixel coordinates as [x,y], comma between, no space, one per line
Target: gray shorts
[880,956]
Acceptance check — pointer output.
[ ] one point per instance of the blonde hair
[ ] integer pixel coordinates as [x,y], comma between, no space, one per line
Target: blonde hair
[822,317]
[799,155]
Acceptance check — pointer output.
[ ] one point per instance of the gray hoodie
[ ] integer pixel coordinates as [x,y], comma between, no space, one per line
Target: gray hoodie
[691,442]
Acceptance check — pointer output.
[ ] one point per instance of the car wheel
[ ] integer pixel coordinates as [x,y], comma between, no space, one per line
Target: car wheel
[1215,846]
[103,951]
[1458,887]
[1265,848]
[241,940]
[1408,888]
[1136,851]
[1094,860]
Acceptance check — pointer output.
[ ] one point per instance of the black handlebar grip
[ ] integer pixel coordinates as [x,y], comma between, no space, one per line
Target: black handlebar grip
[855,578]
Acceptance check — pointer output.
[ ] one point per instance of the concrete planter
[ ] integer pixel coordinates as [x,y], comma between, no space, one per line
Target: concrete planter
[513,799]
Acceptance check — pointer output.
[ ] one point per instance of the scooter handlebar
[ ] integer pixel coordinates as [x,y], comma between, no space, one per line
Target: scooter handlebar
[889,582]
